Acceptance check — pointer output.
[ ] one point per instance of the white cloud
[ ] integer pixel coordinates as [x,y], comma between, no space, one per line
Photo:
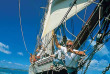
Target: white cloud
[20,53]
[93,62]
[2,61]
[104,51]
[3,48]
[5,51]
[93,42]
[10,62]
[27,65]
[98,65]
[59,36]
[3,45]
[18,64]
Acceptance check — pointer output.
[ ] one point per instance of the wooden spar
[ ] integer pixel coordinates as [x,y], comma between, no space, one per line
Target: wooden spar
[90,25]
[52,42]
[82,36]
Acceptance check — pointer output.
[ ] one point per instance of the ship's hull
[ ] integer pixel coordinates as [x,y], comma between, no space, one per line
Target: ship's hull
[35,69]
[41,65]
[54,72]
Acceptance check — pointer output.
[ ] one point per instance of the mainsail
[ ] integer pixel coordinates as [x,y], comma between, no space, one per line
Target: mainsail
[48,36]
[57,10]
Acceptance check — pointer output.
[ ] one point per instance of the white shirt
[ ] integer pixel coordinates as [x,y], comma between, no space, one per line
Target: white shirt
[59,54]
[41,53]
[71,59]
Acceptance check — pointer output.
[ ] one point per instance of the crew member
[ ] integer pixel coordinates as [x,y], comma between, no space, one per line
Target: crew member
[71,55]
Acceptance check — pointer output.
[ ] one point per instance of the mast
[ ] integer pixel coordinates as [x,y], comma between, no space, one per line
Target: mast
[92,23]
[52,42]
[46,38]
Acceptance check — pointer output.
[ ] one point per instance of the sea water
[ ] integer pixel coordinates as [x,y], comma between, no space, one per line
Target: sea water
[11,71]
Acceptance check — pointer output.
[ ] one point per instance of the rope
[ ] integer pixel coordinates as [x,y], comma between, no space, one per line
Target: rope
[69,31]
[99,14]
[106,69]
[95,3]
[84,15]
[91,55]
[79,17]
[21,28]
[88,21]
[60,33]
[78,41]
[92,40]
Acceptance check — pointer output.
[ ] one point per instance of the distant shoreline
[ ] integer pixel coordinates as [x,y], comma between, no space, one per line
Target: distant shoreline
[14,69]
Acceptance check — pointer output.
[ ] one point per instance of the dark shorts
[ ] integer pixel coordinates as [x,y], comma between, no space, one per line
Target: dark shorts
[74,72]
[71,70]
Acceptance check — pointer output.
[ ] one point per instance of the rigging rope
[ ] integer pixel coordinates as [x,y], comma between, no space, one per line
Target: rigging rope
[69,31]
[85,26]
[91,42]
[21,28]
[79,17]
[106,69]
[99,14]
[84,16]
[91,55]
[95,35]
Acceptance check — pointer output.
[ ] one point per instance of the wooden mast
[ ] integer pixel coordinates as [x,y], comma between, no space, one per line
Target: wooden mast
[91,23]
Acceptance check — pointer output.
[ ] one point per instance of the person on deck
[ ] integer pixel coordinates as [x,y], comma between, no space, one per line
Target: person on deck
[71,55]
[58,58]
[32,58]
[41,52]
[38,50]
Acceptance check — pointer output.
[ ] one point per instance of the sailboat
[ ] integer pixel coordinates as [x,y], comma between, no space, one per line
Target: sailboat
[54,21]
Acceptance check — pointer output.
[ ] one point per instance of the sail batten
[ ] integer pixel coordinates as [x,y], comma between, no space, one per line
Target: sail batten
[59,9]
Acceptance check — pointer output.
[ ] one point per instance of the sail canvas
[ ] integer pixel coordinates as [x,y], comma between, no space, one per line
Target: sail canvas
[57,11]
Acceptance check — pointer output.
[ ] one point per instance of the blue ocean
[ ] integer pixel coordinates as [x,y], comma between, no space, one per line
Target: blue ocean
[12,71]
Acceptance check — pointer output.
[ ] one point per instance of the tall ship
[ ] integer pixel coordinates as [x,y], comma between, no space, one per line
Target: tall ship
[90,24]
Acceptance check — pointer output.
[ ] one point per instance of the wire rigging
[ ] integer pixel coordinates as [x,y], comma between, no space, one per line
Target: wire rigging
[22,29]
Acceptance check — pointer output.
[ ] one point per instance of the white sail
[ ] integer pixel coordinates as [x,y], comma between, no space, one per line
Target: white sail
[57,10]
[47,43]
[45,40]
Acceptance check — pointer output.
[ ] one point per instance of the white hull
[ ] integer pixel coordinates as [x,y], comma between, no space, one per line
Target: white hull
[41,65]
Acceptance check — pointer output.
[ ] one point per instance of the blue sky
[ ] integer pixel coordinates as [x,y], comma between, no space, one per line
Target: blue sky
[12,50]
